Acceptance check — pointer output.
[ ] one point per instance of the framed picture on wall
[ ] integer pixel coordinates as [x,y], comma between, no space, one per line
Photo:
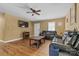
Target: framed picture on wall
[70,16]
[66,19]
[73,14]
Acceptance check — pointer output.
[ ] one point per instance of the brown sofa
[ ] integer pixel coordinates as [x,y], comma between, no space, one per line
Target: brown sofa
[48,34]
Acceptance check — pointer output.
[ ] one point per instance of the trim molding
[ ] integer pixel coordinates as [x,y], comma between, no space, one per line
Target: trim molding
[1,41]
[10,40]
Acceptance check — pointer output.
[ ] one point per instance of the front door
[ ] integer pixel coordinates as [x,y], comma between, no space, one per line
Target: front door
[36,29]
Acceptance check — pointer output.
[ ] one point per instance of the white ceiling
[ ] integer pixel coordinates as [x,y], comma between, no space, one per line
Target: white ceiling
[48,10]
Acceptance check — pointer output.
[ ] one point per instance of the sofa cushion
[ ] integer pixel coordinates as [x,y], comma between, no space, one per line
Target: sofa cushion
[64,37]
[66,48]
[76,45]
[67,40]
[73,39]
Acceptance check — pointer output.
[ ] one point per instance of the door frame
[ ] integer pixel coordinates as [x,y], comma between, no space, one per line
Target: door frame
[39,28]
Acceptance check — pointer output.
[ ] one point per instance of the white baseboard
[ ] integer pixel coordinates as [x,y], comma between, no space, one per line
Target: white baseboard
[10,40]
[1,41]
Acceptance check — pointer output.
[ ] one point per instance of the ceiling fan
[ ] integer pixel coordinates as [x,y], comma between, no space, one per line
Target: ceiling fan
[33,11]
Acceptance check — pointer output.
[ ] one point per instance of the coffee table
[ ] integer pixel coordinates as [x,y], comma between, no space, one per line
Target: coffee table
[37,39]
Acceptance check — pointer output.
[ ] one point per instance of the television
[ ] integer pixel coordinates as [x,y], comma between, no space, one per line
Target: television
[22,24]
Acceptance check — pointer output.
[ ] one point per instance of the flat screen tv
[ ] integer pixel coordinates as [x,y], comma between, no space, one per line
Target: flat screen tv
[22,24]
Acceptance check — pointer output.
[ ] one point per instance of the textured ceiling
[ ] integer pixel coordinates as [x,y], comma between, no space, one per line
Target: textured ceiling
[48,10]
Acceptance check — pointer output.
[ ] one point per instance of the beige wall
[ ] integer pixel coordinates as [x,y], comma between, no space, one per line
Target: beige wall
[9,29]
[70,25]
[12,31]
[2,25]
[59,29]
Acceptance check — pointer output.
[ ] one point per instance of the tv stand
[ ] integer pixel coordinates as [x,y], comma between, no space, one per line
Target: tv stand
[26,35]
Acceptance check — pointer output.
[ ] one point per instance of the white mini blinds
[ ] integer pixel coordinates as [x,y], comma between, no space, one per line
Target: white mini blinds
[51,26]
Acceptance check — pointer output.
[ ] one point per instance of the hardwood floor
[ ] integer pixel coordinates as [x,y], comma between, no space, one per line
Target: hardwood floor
[22,48]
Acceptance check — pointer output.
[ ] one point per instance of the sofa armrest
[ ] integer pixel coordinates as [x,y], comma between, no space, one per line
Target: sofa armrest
[57,40]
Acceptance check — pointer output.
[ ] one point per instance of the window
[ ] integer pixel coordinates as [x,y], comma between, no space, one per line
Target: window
[51,26]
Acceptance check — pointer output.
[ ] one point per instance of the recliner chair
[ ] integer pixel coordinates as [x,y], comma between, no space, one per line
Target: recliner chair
[70,47]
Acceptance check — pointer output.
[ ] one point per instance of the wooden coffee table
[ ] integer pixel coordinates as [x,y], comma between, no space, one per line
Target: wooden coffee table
[37,39]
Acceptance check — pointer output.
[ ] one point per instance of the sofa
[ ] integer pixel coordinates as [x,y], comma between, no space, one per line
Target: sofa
[69,44]
[48,34]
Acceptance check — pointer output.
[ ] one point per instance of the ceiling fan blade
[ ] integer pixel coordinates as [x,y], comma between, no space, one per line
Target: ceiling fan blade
[29,12]
[32,9]
[38,11]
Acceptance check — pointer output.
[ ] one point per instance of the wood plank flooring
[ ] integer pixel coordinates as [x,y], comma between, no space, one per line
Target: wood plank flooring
[22,48]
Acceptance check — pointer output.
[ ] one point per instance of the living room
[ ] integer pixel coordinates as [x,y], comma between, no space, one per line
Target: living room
[14,23]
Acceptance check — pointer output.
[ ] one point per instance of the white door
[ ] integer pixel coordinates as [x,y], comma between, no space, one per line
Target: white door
[36,29]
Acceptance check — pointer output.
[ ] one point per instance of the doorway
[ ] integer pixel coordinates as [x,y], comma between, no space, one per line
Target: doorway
[36,29]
